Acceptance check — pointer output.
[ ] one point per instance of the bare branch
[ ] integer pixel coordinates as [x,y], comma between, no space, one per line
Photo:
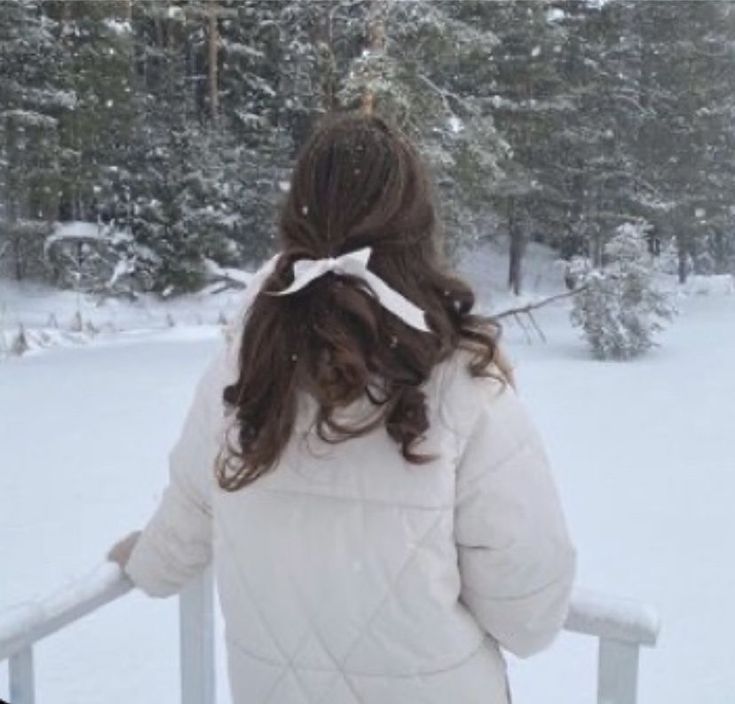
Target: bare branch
[522,326]
[537,304]
[536,327]
[225,282]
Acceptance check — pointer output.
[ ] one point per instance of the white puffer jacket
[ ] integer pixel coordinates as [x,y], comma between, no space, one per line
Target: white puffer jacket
[347,575]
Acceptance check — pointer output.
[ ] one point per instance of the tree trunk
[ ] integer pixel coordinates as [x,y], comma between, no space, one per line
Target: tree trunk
[720,252]
[17,258]
[213,47]
[323,38]
[516,249]
[682,251]
[598,246]
[376,44]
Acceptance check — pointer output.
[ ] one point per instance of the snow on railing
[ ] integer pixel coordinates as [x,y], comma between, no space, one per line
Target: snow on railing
[621,626]
[24,625]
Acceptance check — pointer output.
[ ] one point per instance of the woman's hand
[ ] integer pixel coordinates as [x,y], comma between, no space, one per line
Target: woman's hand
[120,552]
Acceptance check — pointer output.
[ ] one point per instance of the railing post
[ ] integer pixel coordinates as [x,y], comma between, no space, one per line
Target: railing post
[617,672]
[196,640]
[20,670]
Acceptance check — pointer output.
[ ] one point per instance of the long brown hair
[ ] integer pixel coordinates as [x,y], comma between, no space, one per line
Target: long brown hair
[358,181]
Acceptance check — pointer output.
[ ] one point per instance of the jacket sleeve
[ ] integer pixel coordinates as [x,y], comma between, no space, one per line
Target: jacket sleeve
[175,544]
[516,560]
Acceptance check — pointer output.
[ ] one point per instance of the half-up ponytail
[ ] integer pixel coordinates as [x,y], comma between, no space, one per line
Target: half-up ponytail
[361,181]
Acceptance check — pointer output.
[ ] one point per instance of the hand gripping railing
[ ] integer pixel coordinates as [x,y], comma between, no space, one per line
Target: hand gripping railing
[621,626]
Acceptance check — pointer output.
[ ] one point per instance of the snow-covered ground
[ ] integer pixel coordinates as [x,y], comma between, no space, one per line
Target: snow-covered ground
[53,318]
[642,451]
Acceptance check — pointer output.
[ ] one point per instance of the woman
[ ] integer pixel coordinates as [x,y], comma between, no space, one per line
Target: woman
[376,502]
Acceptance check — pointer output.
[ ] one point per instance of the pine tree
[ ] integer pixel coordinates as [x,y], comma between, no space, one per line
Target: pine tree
[424,74]
[530,106]
[172,125]
[687,142]
[619,308]
[32,102]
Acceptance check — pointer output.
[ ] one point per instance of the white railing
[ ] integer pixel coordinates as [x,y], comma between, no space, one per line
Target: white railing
[621,627]
[21,627]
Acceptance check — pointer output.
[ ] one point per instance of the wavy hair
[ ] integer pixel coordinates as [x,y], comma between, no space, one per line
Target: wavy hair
[358,181]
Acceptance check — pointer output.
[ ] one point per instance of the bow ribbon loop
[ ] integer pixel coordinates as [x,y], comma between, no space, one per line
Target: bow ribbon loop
[355,263]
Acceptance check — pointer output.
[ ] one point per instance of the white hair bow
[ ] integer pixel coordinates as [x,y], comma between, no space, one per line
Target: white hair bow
[355,264]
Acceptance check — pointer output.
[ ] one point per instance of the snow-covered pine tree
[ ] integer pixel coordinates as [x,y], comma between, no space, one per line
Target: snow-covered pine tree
[95,40]
[32,100]
[595,149]
[273,84]
[423,66]
[687,140]
[178,121]
[619,307]
[529,104]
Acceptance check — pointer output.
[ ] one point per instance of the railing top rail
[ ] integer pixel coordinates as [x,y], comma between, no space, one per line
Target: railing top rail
[25,624]
[590,613]
[613,618]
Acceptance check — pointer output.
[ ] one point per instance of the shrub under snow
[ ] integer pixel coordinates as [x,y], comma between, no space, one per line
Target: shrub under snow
[620,310]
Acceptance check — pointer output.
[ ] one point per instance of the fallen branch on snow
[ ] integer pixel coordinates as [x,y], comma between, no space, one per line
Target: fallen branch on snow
[528,309]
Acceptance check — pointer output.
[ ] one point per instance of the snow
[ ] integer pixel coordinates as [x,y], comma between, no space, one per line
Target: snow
[122,267]
[249,119]
[555,14]
[237,48]
[82,230]
[49,316]
[642,452]
[76,230]
[717,284]
[216,270]
[20,625]
[455,124]
[615,618]
[644,458]
[29,118]
[117,26]
[486,268]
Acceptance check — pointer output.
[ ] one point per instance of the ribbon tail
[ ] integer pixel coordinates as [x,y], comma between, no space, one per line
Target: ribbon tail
[396,303]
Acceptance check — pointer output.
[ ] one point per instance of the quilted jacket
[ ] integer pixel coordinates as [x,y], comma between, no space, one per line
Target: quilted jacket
[347,575]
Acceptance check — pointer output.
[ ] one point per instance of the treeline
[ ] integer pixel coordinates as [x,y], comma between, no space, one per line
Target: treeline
[170,125]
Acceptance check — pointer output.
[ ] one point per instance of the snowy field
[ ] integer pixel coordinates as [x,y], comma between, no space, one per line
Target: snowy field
[643,453]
